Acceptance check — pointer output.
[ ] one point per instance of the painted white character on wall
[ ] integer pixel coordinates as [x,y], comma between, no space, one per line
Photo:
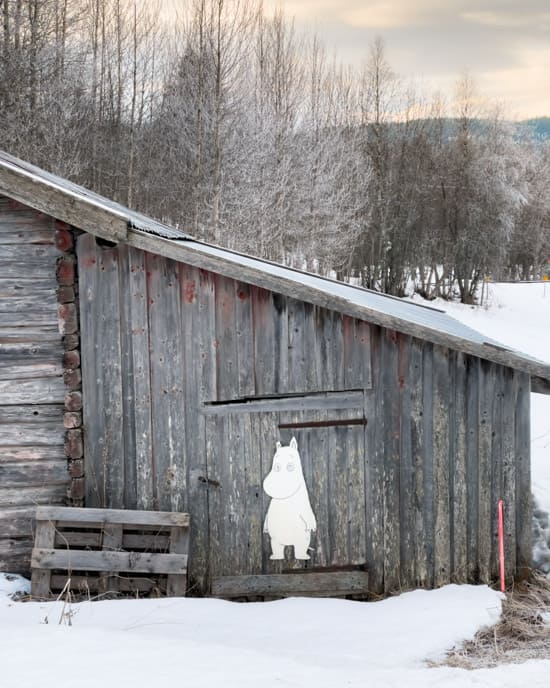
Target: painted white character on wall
[290,519]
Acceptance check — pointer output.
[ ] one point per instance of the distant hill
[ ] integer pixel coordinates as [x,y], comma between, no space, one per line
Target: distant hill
[448,126]
[540,126]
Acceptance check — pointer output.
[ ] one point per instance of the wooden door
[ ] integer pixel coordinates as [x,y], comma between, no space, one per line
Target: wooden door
[241,442]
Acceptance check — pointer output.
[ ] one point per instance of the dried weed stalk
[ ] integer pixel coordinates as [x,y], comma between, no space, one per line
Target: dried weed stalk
[522,633]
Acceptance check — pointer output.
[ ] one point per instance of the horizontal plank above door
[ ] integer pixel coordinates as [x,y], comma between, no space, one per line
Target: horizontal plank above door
[309,402]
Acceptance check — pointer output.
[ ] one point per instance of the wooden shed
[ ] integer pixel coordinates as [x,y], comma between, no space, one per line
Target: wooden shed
[161,372]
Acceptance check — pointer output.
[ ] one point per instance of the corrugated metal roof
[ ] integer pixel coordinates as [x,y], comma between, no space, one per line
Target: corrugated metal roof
[134,219]
[435,325]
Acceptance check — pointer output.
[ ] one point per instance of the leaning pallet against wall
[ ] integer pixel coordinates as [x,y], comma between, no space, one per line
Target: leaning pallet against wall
[109,552]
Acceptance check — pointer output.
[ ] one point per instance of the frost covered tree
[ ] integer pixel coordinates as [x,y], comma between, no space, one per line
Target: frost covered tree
[237,128]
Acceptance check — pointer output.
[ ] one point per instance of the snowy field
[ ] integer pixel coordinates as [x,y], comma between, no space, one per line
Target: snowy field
[299,643]
[214,644]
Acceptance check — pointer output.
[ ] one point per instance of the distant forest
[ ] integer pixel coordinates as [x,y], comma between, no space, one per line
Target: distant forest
[228,124]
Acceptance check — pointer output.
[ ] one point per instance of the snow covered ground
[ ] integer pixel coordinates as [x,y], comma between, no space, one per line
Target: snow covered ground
[214,644]
[297,642]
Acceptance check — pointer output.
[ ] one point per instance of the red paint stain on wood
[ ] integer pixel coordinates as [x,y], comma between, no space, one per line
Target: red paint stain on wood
[64,239]
[88,261]
[347,325]
[73,401]
[65,272]
[190,291]
[72,379]
[65,294]
[73,444]
[59,224]
[71,359]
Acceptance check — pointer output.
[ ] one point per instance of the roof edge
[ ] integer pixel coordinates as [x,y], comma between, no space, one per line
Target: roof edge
[540,385]
[183,251]
[24,183]
[37,193]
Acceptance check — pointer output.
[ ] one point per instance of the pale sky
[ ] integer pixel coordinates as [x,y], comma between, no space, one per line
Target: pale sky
[503,44]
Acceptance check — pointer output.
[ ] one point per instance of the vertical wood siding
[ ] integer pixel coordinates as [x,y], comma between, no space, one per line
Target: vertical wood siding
[33,466]
[412,494]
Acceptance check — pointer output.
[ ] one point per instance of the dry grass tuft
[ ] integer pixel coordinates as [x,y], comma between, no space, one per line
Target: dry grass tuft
[522,633]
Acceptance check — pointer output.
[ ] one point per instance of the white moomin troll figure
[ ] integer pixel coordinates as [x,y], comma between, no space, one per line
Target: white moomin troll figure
[290,519]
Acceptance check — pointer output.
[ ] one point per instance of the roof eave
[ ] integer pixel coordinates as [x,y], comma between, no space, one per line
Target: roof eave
[81,212]
[540,385]
[20,185]
[184,252]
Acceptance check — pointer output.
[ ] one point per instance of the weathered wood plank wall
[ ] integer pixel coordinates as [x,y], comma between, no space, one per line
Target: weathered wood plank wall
[167,348]
[33,465]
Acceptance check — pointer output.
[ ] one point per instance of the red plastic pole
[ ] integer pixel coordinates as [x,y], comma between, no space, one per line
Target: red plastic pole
[501,544]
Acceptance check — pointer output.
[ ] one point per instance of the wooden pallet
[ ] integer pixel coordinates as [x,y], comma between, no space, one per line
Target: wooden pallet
[109,551]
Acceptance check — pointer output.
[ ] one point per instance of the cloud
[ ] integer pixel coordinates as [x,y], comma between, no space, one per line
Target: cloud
[495,19]
[396,13]
[523,89]
[503,43]
[311,10]
[518,19]
[385,15]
